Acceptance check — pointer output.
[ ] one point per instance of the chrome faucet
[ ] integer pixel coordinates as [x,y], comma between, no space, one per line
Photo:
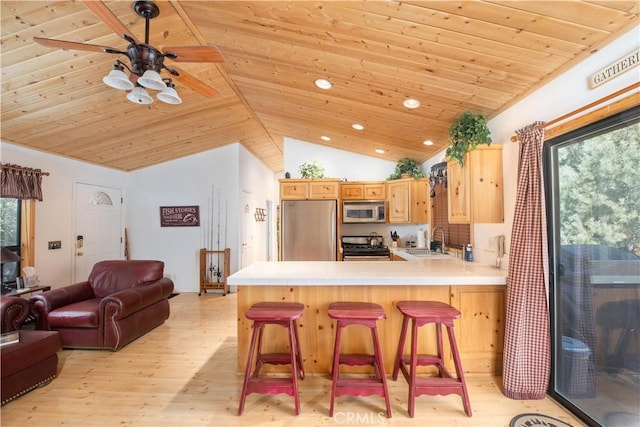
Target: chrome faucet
[443,247]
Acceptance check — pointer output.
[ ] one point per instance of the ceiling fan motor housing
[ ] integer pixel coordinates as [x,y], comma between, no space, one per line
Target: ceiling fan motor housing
[144,57]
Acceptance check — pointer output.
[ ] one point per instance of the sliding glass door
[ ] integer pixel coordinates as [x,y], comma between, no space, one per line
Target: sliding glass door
[592,179]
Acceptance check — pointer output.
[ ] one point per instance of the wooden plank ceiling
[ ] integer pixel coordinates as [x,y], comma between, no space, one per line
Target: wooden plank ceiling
[452,56]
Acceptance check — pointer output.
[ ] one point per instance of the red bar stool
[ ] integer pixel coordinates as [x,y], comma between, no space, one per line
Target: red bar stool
[358,313]
[285,315]
[421,313]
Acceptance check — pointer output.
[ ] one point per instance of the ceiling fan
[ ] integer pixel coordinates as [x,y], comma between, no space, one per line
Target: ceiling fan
[145,61]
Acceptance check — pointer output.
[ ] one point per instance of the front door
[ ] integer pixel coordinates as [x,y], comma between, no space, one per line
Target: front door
[98,228]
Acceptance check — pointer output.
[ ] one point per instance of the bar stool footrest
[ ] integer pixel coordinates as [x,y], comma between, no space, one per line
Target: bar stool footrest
[357,359]
[274,359]
[438,386]
[270,386]
[359,387]
[423,360]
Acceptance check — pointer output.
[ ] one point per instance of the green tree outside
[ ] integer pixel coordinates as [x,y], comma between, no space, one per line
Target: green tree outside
[599,182]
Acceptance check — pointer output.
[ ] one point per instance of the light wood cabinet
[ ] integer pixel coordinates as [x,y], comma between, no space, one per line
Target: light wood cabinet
[475,191]
[363,191]
[302,189]
[408,201]
[480,329]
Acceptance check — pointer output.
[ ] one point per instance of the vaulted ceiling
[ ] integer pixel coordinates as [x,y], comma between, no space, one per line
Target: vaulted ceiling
[452,56]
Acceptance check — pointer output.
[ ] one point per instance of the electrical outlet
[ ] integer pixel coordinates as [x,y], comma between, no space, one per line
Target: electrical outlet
[55,244]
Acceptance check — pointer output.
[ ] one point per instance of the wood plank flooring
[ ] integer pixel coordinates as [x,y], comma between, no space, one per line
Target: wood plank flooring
[183,373]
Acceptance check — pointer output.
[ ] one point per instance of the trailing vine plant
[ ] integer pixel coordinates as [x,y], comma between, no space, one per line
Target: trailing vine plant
[468,131]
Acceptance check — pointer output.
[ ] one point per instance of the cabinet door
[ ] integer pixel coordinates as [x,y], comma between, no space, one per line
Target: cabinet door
[458,192]
[374,191]
[486,184]
[421,205]
[323,190]
[293,190]
[399,194]
[352,191]
[480,329]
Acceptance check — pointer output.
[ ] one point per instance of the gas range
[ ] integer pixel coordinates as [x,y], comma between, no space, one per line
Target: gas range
[359,248]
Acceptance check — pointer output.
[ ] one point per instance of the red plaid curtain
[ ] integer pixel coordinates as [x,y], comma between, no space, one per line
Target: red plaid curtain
[21,183]
[527,347]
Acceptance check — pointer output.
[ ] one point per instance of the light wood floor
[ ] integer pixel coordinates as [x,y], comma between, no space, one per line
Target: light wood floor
[183,373]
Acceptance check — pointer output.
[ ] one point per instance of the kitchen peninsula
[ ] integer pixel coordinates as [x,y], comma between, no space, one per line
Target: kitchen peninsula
[477,291]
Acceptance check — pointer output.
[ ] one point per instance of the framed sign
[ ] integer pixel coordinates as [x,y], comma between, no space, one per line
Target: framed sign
[179,216]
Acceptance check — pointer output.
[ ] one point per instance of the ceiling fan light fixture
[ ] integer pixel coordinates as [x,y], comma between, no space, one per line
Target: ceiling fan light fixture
[118,79]
[169,95]
[151,80]
[139,96]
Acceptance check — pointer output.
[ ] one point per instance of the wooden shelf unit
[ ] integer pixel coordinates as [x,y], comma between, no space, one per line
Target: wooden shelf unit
[208,280]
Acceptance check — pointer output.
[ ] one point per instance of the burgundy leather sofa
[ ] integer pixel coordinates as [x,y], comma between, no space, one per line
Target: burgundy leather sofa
[29,363]
[119,302]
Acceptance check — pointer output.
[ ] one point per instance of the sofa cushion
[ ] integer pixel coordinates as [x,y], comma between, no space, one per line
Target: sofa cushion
[108,277]
[83,314]
[33,348]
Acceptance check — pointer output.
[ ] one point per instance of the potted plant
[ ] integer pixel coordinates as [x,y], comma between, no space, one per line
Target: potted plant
[406,168]
[465,134]
[311,170]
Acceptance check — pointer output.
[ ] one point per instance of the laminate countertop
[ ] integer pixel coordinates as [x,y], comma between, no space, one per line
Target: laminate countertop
[435,270]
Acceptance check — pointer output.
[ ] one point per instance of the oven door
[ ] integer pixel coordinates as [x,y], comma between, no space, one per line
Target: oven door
[366,258]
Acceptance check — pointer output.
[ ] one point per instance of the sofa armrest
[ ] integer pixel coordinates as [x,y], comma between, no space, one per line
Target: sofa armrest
[45,302]
[13,312]
[123,303]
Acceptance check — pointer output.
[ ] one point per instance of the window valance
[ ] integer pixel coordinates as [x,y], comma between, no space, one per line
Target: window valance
[21,183]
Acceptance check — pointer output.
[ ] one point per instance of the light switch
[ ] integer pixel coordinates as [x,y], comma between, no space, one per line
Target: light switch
[55,244]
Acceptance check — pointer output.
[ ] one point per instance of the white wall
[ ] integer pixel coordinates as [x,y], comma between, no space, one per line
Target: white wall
[337,163]
[55,214]
[226,172]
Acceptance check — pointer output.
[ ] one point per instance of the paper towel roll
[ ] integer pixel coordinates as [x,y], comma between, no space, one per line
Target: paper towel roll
[421,241]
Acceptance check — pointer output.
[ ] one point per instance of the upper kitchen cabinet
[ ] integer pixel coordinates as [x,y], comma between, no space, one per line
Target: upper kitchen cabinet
[408,201]
[313,189]
[475,193]
[363,191]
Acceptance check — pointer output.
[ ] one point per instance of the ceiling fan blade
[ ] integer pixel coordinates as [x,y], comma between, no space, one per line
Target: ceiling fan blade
[104,13]
[63,44]
[195,83]
[196,53]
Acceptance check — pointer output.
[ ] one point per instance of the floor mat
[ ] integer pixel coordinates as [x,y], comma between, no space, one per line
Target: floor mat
[527,420]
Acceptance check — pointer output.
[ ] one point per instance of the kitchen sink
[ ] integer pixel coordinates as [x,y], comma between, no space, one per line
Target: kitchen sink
[423,252]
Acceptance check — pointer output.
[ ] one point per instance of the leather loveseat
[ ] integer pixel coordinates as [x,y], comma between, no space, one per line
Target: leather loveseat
[119,302]
[33,360]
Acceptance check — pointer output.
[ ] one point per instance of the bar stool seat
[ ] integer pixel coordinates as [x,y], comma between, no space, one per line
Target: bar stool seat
[283,314]
[366,314]
[421,313]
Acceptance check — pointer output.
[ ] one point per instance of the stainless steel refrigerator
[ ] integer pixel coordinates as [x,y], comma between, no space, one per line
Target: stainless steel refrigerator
[308,230]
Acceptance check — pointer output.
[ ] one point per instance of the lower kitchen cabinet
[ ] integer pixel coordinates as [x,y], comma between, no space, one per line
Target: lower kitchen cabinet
[480,329]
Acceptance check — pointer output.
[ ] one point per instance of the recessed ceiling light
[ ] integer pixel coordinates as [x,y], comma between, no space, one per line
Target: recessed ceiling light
[411,103]
[324,84]
[357,126]
[428,142]
[379,151]
[325,138]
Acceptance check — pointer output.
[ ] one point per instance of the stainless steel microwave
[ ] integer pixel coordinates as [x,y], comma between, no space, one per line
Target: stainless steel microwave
[363,211]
